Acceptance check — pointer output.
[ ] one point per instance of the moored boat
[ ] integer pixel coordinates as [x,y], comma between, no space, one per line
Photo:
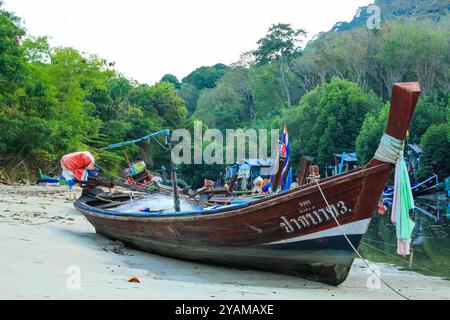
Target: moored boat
[428,185]
[304,231]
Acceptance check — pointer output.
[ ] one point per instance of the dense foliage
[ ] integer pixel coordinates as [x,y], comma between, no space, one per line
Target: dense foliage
[430,112]
[393,9]
[328,120]
[436,147]
[332,92]
[58,100]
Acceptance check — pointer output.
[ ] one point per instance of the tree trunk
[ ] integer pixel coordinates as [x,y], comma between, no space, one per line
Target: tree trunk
[285,82]
[250,105]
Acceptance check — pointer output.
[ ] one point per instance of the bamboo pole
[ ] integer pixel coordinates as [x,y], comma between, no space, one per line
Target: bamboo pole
[176,199]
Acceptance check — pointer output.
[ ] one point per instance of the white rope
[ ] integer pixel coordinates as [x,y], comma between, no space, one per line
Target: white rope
[353,247]
[389,149]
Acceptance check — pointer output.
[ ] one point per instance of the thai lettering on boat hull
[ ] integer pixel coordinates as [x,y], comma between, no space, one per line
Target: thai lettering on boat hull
[314,218]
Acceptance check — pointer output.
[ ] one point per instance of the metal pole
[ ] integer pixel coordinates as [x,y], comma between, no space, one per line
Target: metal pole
[176,199]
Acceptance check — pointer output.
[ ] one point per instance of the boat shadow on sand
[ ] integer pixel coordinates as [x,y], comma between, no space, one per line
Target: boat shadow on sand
[170,269]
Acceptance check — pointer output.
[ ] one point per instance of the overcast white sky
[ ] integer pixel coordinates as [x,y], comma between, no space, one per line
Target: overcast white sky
[147,38]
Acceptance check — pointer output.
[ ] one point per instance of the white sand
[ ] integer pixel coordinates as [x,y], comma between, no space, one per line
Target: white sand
[42,235]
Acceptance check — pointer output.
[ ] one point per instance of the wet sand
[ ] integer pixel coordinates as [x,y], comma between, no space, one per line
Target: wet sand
[42,237]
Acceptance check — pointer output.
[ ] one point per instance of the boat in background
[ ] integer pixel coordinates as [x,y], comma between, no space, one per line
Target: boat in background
[293,232]
[45,179]
[427,186]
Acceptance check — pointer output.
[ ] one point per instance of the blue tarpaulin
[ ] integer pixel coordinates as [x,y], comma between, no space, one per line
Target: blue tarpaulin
[348,157]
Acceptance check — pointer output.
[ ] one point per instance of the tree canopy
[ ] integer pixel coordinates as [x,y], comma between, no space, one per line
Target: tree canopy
[171,79]
[58,100]
[206,77]
[328,120]
[332,92]
[280,41]
[436,148]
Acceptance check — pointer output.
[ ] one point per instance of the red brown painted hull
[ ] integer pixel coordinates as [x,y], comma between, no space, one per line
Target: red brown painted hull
[263,235]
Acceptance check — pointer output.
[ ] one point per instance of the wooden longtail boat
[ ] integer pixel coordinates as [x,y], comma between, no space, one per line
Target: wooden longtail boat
[291,233]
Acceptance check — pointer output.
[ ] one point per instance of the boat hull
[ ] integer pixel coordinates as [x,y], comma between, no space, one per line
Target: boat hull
[330,266]
[291,233]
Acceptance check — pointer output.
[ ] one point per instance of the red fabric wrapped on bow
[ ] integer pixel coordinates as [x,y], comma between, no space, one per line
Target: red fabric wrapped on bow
[77,163]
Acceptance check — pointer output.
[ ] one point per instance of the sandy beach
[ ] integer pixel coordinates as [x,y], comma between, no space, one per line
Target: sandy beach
[43,239]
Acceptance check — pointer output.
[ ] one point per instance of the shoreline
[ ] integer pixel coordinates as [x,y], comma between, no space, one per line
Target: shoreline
[43,238]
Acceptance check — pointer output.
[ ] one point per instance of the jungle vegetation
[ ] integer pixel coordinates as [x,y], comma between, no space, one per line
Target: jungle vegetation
[332,92]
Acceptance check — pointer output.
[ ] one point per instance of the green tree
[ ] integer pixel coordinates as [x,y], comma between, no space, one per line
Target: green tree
[371,131]
[163,99]
[37,50]
[280,44]
[171,79]
[239,79]
[267,91]
[12,57]
[189,93]
[220,107]
[328,120]
[413,50]
[130,110]
[206,77]
[436,148]
[431,111]
[51,113]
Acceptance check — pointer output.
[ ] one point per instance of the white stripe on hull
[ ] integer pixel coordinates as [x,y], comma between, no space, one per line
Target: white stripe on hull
[358,227]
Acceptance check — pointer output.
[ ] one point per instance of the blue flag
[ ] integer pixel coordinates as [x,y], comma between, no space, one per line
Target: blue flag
[284,148]
[287,185]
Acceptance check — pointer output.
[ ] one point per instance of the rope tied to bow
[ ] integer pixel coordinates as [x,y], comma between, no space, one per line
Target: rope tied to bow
[389,149]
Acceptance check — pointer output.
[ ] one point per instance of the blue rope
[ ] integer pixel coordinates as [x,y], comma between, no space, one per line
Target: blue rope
[121,144]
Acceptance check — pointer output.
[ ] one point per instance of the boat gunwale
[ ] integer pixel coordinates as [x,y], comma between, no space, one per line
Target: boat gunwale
[240,209]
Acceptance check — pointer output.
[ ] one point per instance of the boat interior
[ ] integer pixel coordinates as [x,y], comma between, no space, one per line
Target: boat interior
[160,204]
